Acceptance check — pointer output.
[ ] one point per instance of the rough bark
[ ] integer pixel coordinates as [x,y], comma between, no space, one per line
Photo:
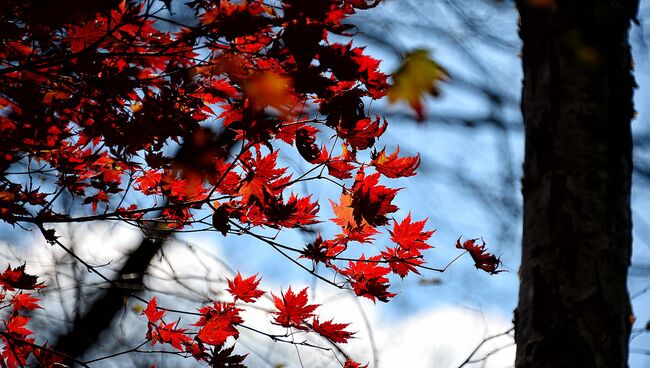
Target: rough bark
[574,308]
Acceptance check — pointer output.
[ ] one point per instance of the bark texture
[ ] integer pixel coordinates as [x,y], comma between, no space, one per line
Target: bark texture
[574,308]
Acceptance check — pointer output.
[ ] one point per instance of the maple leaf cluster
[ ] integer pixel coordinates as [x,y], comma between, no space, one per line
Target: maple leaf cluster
[197,119]
[16,300]
[138,117]
[368,277]
[220,321]
[132,108]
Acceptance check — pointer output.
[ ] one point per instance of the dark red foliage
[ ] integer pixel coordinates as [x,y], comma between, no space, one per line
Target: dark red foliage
[482,259]
[368,278]
[224,358]
[323,250]
[306,144]
[16,278]
[132,116]
[370,201]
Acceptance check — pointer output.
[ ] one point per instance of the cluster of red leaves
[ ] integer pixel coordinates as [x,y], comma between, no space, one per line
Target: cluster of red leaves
[368,277]
[219,322]
[96,96]
[292,311]
[271,75]
[411,241]
[16,300]
[123,93]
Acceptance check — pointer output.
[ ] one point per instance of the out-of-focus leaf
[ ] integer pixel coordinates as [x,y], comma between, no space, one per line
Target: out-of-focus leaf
[418,75]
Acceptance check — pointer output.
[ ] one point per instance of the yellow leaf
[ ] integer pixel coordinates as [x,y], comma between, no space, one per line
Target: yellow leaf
[271,89]
[137,308]
[417,76]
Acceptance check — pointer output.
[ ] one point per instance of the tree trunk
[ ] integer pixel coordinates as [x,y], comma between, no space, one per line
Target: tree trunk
[574,309]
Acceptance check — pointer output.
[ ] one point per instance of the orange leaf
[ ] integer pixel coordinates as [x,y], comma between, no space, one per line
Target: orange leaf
[393,166]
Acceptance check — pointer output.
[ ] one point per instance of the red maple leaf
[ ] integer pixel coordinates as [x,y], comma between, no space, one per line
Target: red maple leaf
[80,36]
[303,212]
[410,236]
[371,201]
[371,76]
[363,134]
[294,213]
[153,313]
[245,289]
[482,259]
[352,364]
[368,278]
[287,132]
[149,182]
[393,166]
[168,333]
[46,358]
[16,325]
[16,278]
[402,261]
[15,354]
[293,309]
[324,251]
[339,168]
[25,302]
[264,179]
[333,331]
[224,358]
[218,323]
[217,330]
